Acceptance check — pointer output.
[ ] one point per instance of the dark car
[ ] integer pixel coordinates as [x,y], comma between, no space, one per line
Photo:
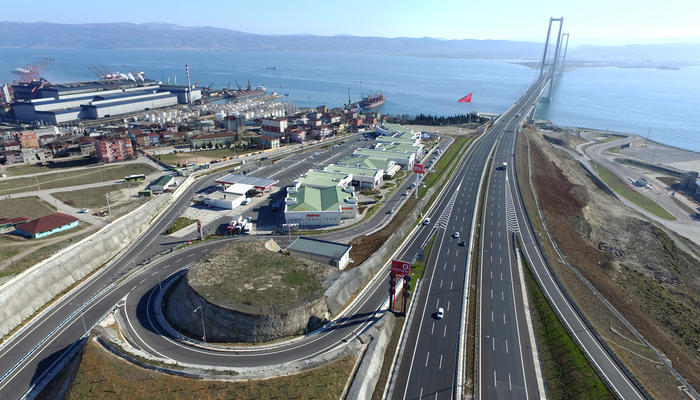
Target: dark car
[462,243]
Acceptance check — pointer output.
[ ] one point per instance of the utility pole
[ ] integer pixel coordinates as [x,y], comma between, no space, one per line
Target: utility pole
[201,313]
[108,206]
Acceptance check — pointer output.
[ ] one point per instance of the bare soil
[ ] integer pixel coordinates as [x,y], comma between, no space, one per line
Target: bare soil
[650,278]
[365,246]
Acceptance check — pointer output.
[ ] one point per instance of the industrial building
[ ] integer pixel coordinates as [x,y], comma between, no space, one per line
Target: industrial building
[323,251]
[57,104]
[222,139]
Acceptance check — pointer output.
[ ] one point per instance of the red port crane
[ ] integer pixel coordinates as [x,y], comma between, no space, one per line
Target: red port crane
[32,72]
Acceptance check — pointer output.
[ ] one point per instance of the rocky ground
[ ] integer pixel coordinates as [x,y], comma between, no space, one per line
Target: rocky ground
[649,274]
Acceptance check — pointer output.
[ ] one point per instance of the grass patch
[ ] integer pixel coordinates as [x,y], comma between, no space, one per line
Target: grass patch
[49,166]
[42,253]
[567,372]
[72,178]
[248,277]
[447,160]
[621,188]
[104,376]
[684,206]
[180,223]
[614,149]
[30,207]
[200,156]
[90,198]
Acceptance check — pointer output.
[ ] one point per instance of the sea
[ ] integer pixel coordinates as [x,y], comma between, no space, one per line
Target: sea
[661,105]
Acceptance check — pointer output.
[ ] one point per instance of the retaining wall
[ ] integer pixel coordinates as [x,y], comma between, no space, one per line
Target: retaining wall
[22,296]
[365,380]
[231,326]
[351,281]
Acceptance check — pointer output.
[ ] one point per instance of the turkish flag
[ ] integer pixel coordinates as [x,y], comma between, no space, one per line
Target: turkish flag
[465,99]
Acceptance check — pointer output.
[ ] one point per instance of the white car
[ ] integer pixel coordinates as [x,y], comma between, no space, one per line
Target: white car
[455,235]
[440,313]
[426,221]
[84,211]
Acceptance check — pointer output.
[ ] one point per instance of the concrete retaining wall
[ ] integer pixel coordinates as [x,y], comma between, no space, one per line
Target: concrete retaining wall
[367,375]
[231,326]
[350,282]
[27,292]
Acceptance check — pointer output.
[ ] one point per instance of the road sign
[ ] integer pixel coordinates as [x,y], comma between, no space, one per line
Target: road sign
[418,168]
[400,268]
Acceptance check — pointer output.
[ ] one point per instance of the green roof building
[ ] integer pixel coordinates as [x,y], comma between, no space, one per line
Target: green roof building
[323,179]
[310,206]
[405,160]
[362,177]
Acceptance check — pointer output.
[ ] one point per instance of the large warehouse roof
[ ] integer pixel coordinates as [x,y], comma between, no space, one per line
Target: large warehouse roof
[258,183]
[320,247]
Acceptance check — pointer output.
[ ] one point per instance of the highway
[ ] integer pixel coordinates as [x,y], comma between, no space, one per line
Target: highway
[428,367]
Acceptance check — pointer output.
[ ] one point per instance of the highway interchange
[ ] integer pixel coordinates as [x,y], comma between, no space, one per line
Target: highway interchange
[433,350]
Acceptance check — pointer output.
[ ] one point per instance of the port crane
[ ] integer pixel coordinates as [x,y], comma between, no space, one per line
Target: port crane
[32,72]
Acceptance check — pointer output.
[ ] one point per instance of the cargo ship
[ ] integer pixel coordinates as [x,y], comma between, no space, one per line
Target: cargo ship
[245,94]
[373,100]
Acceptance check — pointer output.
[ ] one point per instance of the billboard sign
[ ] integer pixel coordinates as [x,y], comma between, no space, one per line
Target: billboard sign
[418,168]
[401,268]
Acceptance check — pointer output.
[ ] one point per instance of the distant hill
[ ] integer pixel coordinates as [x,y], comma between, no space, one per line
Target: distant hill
[168,36]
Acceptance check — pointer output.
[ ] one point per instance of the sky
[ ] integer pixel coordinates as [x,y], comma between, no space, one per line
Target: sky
[605,22]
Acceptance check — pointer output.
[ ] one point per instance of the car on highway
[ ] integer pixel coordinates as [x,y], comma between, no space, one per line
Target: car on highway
[440,314]
[455,235]
[391,211]
[404,193]
[426,221]
[462,243]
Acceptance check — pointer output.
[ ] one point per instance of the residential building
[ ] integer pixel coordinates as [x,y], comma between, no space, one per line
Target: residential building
[274,126]
[28,140]
[114,149]
[267,142]
[221,139]
[297,135]
[12,157]
[9,224]
[47,225]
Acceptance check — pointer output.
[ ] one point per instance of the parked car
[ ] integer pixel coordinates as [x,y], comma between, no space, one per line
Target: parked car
[84,211]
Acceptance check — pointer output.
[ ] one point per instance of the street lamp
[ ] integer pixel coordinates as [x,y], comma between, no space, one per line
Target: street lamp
[201,313]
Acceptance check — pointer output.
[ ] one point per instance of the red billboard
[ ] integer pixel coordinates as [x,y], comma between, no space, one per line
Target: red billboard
[418,168]
[401,268]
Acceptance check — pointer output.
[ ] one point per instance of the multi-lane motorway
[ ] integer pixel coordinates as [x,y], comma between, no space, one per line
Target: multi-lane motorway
[433,353]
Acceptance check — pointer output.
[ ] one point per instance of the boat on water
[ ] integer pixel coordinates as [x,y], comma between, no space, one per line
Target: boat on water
[247,93]
[371,101]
